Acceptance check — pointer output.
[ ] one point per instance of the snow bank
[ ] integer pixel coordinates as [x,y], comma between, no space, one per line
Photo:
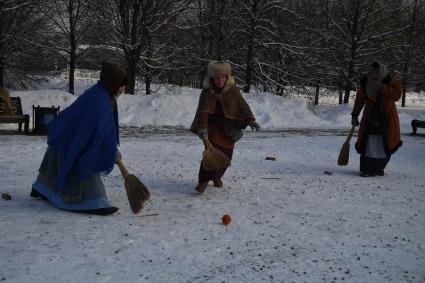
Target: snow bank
[175,106]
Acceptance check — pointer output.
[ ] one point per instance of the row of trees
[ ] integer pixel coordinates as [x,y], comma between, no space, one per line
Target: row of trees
[272,44]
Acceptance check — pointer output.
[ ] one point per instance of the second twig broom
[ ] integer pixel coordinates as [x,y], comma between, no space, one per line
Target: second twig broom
[344,154]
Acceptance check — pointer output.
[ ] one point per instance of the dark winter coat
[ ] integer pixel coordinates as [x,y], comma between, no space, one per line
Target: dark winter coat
[235,111]
[389,93]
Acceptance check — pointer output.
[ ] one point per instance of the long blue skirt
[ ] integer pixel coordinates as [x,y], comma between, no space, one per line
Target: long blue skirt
[76,195]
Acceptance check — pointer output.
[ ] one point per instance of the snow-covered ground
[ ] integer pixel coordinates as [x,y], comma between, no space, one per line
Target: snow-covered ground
[291,220]
[300,218]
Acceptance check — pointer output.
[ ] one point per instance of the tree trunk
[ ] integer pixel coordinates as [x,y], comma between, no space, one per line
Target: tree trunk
[264,83]
[316,97]
[347,91]
[71,69]
[404,82]
[2,82]
[249,54]
[148,81]
[148,69]
[340,96]
[201,78]
[354,46]
[407,61]
[73,44]
[130,13]
[131,70]
[279,90]
[248,72]
[1,74]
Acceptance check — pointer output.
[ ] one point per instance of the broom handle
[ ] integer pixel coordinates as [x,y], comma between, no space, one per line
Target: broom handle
[350,134]
[207,143]
[123,170]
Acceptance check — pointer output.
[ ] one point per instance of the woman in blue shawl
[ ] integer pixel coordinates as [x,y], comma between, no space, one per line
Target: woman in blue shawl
[82,144]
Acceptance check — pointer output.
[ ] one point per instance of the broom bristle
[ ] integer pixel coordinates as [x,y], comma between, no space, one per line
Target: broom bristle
[137,193]
[344,154]
[214,159]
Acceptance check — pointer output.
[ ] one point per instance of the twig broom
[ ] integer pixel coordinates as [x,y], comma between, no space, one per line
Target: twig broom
[212,158]
[344,154]
[137,193]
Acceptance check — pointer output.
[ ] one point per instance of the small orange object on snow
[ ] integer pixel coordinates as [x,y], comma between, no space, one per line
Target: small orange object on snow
[226,219]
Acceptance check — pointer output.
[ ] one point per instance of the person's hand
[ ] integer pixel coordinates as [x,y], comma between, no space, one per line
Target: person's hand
[203,133]
[118,156]
[354,121]
[254,125]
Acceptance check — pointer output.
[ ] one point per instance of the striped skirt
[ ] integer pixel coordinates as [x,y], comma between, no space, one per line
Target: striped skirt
[76,195]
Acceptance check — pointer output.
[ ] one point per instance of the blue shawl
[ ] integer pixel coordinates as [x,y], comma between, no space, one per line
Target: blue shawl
[85,135]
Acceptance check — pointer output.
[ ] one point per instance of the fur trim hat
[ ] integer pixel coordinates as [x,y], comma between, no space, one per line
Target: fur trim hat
[376,67]
[217,69]
[113,77]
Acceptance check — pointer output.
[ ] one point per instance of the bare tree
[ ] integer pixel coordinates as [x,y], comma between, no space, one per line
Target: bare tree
[209,34]
[412,44]
[257,27]
[273,45]
[357,29]
[162,24]
[19,22]
[133,27]
[69,23]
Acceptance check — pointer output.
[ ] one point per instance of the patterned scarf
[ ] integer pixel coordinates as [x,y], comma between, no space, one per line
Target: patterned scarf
[372,86]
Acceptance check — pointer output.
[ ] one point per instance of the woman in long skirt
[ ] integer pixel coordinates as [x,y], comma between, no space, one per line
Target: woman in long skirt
[221,115]
[379,132]
[82,144]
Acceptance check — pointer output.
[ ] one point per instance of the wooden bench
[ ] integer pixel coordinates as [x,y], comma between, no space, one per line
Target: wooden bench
[417,124]
[17,117]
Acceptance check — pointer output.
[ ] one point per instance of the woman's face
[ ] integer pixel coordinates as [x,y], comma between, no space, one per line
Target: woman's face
[220,81]
[374,76]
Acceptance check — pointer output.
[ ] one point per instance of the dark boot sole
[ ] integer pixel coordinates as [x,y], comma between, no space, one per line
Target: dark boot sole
[365,175]
[100,211]
[36,194]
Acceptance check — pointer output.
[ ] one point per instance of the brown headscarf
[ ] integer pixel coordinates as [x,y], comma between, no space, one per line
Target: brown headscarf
[112,77]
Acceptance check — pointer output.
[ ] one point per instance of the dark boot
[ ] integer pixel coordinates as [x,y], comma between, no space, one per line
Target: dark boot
[100,211]
[364,174]
[36,194]
[218,183]
[201,187]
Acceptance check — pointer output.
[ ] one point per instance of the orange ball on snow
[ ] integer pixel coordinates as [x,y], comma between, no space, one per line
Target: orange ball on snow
[226,219]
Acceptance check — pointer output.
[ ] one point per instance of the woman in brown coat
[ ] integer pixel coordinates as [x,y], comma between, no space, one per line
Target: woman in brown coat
[379,132]
[221,115]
